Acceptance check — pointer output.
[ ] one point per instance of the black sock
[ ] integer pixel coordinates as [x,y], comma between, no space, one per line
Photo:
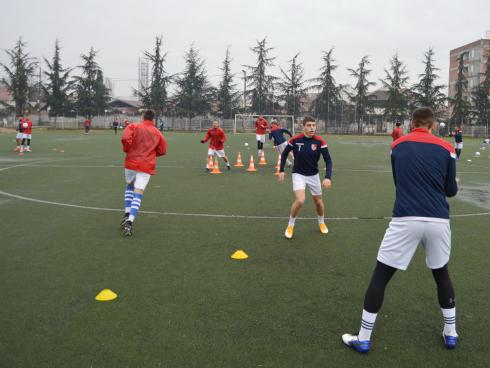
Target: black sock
[445,289]
[28,142]
[376,290]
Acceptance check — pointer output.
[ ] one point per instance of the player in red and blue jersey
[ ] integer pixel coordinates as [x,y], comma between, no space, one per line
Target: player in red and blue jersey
[424,171]
[277,134]
[307,149]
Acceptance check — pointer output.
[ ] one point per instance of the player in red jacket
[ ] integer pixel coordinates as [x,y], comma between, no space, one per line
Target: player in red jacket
[397,132]
[217,138]
[261,127]
[142,143]
[25,145]
[86,124]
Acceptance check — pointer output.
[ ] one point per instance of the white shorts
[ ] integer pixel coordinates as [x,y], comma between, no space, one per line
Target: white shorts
[300,182]
[19,136]
[140,179]
[281,147]
[219,153]
[403,237]
[260,138]
[458,145]
[26,136]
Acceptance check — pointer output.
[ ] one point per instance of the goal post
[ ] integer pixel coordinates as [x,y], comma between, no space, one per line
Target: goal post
[244,123]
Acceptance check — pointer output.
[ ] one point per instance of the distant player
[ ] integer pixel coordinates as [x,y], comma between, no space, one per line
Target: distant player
[397,131]
[142,143]
[86,124]
[424,171]
[25,145]
[126,123]
[277,134]
[217,138]
[307,149]
[18,137]
[261,126]
[458,142]
[115,126]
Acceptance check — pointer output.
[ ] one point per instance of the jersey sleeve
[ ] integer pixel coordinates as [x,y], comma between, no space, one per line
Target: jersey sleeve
[451,187]
[287,132]
[222,136]
[328,161]
[162,146]
[206,137]
[127,138]
[284,156]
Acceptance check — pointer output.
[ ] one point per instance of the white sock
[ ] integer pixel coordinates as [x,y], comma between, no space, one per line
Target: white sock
[449,317]
[292,220]
[321,220]
[367,325]
[131,218]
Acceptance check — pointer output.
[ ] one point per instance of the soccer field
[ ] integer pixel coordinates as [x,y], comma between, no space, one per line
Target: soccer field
[182,302]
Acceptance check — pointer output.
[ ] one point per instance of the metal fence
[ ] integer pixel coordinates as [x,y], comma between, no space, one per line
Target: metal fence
[199,124]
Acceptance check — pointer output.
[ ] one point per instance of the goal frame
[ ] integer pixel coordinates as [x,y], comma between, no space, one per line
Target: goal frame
[268,117]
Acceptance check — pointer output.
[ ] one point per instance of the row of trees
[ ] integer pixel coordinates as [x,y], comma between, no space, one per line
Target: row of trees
[265,92]
[61,93]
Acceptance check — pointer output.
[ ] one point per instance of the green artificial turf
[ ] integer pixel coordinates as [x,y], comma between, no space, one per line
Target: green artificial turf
[182,302]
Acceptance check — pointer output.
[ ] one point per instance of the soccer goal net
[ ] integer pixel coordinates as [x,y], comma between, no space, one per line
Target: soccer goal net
[246,123]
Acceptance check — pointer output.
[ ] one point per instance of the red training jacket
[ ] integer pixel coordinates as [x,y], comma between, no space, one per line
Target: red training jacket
[143,143]
[396,133]
[217,138]
[261,126]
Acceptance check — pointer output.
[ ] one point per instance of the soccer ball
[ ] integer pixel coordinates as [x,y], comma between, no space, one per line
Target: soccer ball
[442,125]
[477,154]
[246,144]
[25,125]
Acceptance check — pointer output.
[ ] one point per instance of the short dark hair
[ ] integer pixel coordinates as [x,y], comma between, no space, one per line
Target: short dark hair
[149,115]
[308,119]
[423,117]
[398,124]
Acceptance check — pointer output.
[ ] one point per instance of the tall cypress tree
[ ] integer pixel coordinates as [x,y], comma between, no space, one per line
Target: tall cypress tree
[58,87]
[360,96]
[426,92]
[460,106]
[194,93]
[261,83]
[227,94]
[328,96]
[86,84]
[292,86]
[481,98]
[102,94]
[155,95]
[22,67]
[397,105]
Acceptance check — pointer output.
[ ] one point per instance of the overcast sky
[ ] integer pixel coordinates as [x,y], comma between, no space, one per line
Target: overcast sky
[122,30]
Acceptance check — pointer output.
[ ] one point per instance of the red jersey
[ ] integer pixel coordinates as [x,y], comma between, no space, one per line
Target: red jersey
[261,126]
[217,138]
[87,122]
[396,133]
[143,143]
[28,129]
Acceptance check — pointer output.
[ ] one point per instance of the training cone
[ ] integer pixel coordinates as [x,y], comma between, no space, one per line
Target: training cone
[239,162]
[209,164]
[106,295]
[262,160]
[239,255]
[251,165]
[216,168]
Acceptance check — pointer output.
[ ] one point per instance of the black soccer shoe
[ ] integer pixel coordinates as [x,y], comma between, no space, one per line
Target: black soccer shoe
[128,228]
[124,219]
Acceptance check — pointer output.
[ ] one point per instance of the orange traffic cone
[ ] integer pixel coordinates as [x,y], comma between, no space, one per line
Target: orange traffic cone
[239,162]
[262,161]
[251,166]
[278,166]
[216,168]
[209,164]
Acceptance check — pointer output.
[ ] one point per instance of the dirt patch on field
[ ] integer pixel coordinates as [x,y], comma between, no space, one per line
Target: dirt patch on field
[476,194]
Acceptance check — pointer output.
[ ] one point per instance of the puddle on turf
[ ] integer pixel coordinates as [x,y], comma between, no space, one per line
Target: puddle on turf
[475,194]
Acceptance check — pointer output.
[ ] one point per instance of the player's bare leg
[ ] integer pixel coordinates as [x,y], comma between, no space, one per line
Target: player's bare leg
[295,208]
[227,162]
[320,211]
[210,159]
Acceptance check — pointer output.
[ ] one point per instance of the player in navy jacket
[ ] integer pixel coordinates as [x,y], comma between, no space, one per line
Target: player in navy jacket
[277,134]
[307,149]
[424,171]
[458,142]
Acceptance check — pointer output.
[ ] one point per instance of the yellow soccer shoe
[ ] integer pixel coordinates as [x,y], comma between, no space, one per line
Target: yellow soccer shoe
[289,232]
[323,228]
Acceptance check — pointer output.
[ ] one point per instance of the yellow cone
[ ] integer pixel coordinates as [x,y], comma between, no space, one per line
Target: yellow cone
[239,254]
[106,295]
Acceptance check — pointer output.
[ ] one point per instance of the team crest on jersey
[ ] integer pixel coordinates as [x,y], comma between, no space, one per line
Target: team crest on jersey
[313,147]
